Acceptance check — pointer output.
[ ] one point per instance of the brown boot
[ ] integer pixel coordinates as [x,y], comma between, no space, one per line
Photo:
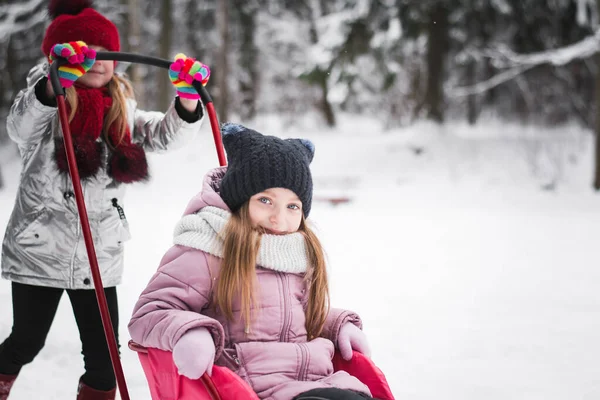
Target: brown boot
[84,392]
[6,382]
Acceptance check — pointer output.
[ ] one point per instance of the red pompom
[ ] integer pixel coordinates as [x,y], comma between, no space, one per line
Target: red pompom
[128,164]
[88,154]
[72,7]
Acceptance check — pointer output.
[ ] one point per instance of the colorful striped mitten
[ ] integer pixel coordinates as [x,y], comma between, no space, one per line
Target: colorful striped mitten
[185,70]
[80,59]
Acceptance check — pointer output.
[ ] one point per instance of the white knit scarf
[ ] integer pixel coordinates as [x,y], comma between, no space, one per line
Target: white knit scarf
[203,231]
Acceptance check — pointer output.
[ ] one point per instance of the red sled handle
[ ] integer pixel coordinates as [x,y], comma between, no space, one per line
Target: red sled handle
[81,208]
[161,63]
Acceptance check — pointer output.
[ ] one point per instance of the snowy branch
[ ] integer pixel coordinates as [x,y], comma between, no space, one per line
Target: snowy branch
[484,86]
[562,56]
[13,17]
[519,63]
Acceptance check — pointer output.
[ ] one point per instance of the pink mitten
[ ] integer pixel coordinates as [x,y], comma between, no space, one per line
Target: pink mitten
[352,338]
[194,353]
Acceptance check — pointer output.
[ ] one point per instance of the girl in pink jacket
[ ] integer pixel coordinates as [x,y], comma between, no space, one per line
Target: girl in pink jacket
[245,285]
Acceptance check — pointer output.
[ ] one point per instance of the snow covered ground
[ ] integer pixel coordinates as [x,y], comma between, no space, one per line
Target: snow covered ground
[470,253]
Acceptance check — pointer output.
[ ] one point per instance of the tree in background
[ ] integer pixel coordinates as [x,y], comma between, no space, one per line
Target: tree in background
[245,13]
[596,182]
[21,33]
[397,60]
[166,27]
[131,41]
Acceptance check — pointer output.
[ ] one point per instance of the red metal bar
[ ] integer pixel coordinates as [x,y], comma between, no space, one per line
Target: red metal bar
[214,123]
[210,387]
[89,245]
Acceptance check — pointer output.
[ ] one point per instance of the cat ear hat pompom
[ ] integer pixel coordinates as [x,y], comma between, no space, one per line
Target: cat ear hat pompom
[257,162]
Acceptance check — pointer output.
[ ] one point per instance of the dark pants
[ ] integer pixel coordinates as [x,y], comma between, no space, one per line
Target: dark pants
[34,308]
[331,394]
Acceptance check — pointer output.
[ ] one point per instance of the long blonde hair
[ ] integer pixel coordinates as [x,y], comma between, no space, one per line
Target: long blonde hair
[119,89]
[238,272]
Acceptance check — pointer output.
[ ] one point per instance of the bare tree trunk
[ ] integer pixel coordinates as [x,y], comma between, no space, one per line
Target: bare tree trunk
[437,48]
[164,83]
[248,81]
[125,27]
[471,72]
[132,40]
[489,18]
[597,122]
[196,28]
[223,60]
[325,104]
[472,111]
[321,77]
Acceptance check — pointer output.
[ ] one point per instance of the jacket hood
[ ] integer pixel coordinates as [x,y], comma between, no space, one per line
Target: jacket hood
[209,194]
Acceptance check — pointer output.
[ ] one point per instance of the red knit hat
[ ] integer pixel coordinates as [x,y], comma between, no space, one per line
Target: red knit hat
[74,20]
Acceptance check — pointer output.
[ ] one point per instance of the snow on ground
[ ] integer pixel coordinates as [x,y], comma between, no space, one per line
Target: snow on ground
[469,252]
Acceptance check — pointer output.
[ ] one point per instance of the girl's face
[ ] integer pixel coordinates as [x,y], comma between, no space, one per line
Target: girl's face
[277,210]
[101,72]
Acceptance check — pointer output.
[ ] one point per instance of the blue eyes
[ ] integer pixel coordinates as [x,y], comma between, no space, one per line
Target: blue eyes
[266,200]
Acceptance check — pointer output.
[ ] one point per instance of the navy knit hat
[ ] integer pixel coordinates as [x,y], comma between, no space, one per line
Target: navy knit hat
[258,162]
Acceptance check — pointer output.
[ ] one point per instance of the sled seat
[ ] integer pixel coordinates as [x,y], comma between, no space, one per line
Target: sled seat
[166,384]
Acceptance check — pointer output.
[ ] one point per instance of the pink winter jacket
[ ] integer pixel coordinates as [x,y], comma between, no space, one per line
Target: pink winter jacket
[274,357]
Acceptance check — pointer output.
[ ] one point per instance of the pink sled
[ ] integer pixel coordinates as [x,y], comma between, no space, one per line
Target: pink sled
[166,384]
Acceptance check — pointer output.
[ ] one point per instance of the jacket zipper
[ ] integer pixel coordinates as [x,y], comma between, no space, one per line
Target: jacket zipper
[72,266]
[232,357]
[115,204]
[77,234]
[236,359]
[284,337]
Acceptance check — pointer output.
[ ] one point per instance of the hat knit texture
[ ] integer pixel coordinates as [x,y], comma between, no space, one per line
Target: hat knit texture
[74,20]
[258,162]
